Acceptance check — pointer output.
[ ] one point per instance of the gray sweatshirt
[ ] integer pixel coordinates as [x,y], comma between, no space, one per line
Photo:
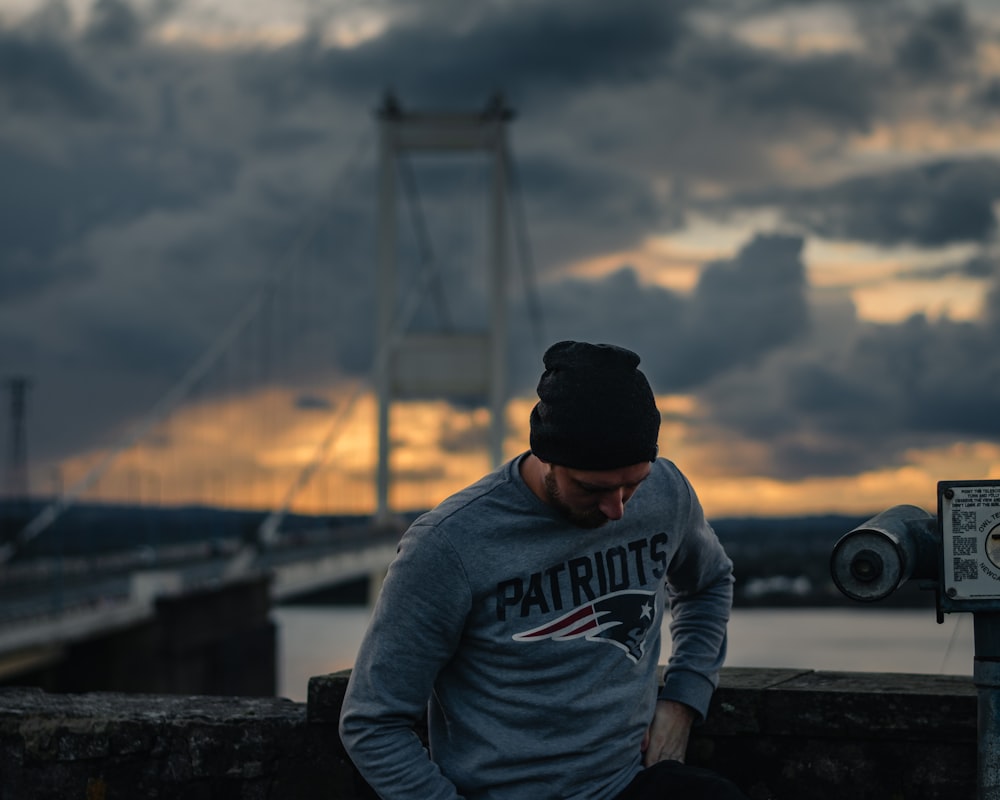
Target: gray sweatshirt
[532,644]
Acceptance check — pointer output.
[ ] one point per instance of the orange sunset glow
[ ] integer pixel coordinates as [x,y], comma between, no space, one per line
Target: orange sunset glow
[246,455]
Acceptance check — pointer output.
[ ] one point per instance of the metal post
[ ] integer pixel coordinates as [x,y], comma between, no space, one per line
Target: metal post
[386,299]
[873,560]
[17,478]
[986,676]
[498,339]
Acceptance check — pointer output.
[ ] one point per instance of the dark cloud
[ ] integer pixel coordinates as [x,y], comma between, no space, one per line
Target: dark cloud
[312,403]
[981,266]
[112,23]
[938,44]
[841,89]
[40,75]
[977,267]
[527,50]
[587,206]
[49,206]
[740,310]
[932,205]
[463,438]
[883,390]
[617,309]
[952,382]
[991,308]
[149,190]
[989,96]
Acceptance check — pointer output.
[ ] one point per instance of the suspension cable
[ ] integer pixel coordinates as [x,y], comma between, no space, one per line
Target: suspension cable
[524,249]
[179,391]
[428,262]
[268,529]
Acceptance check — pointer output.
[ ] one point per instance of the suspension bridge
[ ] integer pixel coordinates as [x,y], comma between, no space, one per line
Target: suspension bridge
[289,419]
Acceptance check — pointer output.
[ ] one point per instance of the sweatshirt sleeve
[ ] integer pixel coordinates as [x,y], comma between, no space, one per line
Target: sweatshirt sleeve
[700,591]
[415,629]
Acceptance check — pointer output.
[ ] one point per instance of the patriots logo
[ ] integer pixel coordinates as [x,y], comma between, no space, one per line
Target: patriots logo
[620,618]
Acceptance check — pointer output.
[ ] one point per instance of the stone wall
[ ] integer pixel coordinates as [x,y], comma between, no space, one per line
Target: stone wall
[780,734]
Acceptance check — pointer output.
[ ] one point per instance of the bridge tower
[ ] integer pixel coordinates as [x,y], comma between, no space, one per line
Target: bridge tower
[440,364]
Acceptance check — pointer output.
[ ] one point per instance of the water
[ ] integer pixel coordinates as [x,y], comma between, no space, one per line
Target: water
[315,640]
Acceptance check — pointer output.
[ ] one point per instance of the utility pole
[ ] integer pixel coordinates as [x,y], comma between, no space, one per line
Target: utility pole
[17,463]
[17,453]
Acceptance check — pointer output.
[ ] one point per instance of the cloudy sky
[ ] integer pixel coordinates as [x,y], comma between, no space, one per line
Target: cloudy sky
[788,209]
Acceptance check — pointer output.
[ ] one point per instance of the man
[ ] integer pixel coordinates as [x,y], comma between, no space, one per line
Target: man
[523,615]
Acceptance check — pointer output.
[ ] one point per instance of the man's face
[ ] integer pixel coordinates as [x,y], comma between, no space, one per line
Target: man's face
[589,498]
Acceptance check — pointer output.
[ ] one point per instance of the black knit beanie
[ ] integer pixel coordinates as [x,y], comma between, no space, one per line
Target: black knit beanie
[595,409]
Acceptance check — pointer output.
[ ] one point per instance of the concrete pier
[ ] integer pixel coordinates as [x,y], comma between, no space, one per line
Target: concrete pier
[214,640]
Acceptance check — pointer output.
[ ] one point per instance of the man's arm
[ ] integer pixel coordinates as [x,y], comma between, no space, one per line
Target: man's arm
[414,631]
[700,587]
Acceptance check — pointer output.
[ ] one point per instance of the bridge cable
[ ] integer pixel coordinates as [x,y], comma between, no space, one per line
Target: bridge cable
[268,530]
[429,281]
[201,367]
[524,249]
[427,259]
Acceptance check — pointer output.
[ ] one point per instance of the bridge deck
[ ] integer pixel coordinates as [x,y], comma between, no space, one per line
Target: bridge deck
[48,603]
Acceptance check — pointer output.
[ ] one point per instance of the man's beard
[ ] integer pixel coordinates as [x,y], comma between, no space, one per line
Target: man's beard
[593,518]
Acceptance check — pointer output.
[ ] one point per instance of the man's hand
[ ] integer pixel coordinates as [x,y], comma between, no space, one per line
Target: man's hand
[667,735]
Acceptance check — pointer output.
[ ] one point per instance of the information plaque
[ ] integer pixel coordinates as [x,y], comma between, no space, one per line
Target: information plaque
[970,539]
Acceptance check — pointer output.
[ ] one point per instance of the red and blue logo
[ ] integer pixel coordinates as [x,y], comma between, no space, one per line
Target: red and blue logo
[619,618]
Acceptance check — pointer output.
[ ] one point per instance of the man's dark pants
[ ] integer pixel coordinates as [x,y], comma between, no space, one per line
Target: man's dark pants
[672,780]
[667,780]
